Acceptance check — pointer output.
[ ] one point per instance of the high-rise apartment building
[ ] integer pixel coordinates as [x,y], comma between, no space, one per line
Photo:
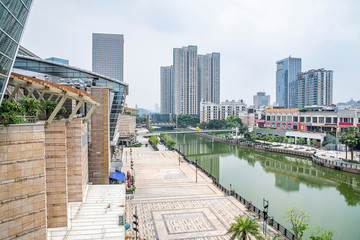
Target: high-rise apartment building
[108,55]
[166,90]
[286,70]
[261,100]
[194,78]
[314,87]
[13,15]
[209,77]
[185,80]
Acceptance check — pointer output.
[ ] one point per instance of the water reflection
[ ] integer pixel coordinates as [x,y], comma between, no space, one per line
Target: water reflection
[290,171]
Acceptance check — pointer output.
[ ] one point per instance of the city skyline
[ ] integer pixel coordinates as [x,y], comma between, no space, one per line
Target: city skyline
[250,36]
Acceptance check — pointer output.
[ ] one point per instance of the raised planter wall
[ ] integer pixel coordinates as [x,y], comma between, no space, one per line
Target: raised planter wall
[22,182]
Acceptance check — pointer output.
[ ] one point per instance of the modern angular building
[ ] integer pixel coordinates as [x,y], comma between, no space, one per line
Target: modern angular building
[194,78]
[286,70]
[166,90]
[108,55]
[314,87]
[13,15]
[261,100]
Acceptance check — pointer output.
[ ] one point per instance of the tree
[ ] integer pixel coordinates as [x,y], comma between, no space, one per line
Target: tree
[185,120]
[244,228]
[203,125]
[343,139]
[170,143]
[217,124]
[140,120]
[321,234]
[298,220]
[313,142]
[353,139]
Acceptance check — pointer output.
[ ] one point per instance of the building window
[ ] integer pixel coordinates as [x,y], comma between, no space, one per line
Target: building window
[302,119]
[321,119]
[335,120]
[283,118]
[315,119]
[296,119]
[308,119]
[328,120]
[289,118]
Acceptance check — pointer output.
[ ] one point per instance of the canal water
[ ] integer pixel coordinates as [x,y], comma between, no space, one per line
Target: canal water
[331,198]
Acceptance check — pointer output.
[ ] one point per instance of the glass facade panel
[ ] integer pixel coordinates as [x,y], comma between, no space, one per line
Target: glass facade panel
[9,25]
[8,45]
[17,8]
[13,15]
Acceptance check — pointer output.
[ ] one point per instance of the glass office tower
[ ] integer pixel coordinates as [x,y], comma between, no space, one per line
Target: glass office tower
[286,70]
[13,15]
[108,55]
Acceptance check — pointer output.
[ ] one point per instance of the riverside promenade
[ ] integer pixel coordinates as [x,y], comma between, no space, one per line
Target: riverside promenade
[170,204]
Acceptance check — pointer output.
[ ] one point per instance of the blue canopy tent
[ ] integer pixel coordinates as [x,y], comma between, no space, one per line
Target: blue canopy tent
[119,176]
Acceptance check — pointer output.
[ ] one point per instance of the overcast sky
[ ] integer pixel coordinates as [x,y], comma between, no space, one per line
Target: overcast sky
[251,36]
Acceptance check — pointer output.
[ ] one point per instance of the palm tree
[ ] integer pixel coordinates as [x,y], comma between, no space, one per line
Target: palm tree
[343,139]
[244,228]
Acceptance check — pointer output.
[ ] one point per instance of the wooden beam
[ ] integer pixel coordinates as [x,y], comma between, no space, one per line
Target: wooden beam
[56,110]
[88,115]
[74,112]
[30,92]
[12,95]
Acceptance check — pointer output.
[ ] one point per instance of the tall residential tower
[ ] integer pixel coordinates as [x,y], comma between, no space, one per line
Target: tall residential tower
[108,55]
[286,70]
[166,90]
[194,78]
[314,87]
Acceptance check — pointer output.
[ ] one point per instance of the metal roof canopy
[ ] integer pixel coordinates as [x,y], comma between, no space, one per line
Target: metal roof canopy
[42,87]
[118,89]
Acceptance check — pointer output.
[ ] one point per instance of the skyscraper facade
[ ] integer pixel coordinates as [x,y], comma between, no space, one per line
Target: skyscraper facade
[185,80]
[314,87]
[13,15]
[209,77]
[108,55]
[261,100]
[286,70]
[166,90]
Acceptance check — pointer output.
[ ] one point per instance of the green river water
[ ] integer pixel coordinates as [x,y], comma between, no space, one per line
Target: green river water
[330,197]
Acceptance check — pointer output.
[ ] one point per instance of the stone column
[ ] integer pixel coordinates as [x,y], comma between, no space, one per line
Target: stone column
[77,159]
[99,149]
[56,174]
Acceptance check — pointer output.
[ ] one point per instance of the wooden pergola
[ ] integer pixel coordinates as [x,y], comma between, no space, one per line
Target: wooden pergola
[41,87]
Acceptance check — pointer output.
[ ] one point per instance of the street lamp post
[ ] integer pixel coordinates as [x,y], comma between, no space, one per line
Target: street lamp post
[196,166]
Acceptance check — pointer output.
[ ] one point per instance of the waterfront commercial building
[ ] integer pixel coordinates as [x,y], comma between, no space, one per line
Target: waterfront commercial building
[318,119]
[191,79]
[286,70]
[108,55]
[261,100]
[314,88]
[13,19]
[166,90]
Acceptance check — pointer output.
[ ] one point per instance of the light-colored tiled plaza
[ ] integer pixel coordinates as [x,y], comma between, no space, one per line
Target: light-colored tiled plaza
[168,202]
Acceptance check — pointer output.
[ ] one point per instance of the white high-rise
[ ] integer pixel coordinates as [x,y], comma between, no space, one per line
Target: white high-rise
[108,55]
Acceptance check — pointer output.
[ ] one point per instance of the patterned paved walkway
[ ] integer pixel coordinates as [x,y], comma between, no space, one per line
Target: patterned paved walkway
[168,202]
